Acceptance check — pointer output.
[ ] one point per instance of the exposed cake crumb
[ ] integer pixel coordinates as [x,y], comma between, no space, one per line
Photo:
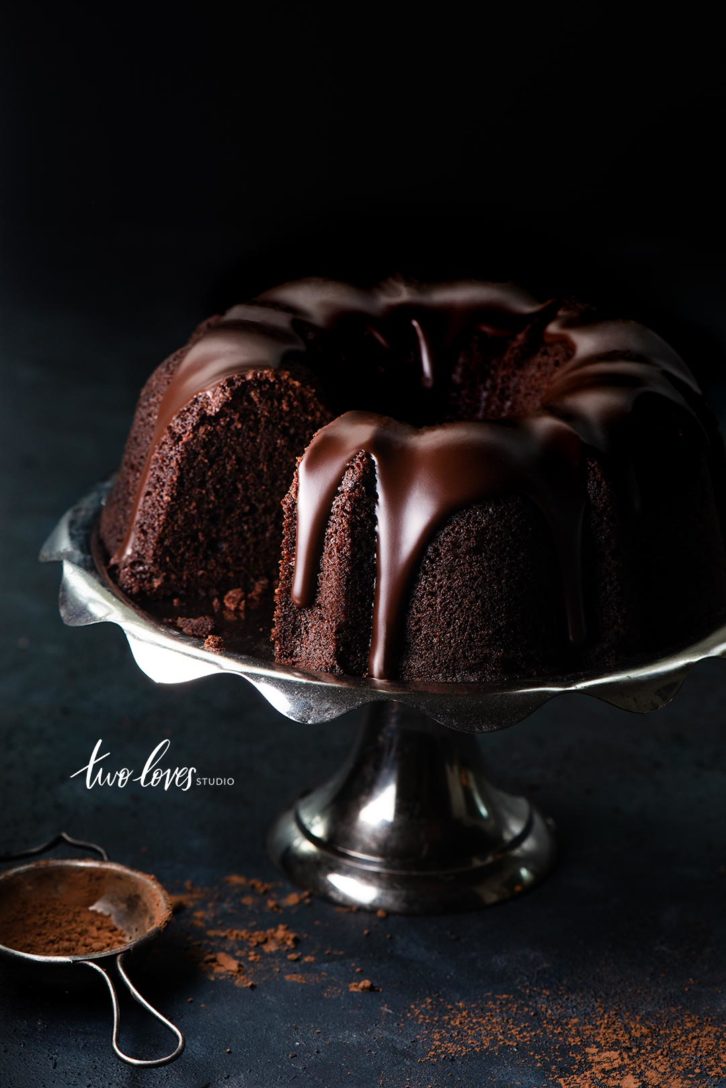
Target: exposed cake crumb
[195,626]
[235,600]
[254,597]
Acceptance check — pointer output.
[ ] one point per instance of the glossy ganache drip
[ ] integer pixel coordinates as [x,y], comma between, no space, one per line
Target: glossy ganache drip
[404,341]
[424,475]
[311,321]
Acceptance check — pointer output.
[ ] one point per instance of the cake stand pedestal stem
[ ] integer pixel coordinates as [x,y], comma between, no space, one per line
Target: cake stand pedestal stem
[410,824]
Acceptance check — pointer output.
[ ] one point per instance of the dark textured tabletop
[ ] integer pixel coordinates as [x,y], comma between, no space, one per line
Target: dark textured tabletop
[612,972]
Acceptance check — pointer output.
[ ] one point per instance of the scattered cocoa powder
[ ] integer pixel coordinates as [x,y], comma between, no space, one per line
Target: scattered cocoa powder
[226,948]
[236,880]
[611,1047]
[184,900]
[604,1046]
[225,961]
[222,964]
[276,939]
[294,898]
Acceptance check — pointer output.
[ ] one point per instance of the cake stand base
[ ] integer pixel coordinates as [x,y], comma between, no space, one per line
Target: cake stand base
[411,825]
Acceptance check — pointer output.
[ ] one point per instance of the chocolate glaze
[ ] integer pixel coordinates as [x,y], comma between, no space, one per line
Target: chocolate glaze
[279,326]
[425,474]
[246,338]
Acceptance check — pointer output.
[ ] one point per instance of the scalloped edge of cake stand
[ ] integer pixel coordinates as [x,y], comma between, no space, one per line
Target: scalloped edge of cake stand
[88,596]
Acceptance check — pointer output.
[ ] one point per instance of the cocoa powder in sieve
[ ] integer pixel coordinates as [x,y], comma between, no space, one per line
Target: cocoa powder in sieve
[60,921]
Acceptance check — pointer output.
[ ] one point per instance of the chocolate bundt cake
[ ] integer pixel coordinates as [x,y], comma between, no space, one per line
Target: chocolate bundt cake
[454,482]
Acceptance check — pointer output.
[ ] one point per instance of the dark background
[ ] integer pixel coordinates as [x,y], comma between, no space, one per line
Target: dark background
[156,167]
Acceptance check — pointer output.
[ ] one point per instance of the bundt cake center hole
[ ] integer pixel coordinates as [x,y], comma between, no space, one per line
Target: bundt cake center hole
[473,387]
[414,369]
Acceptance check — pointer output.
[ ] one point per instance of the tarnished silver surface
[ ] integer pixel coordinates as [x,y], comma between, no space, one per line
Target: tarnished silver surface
[410,823]
[88,596]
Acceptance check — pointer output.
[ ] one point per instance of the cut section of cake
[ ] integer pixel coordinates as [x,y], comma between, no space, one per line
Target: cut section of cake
[452,482]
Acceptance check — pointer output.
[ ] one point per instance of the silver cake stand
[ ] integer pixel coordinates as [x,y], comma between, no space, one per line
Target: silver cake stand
[410,823]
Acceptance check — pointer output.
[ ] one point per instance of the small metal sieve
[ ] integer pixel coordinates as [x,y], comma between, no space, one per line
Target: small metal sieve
[132,907]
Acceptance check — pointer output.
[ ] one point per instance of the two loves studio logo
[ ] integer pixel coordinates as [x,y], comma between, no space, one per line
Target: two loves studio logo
[153,774]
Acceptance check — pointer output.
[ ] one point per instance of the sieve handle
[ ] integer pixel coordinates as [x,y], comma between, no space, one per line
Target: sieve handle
[56,841]
[106,975]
